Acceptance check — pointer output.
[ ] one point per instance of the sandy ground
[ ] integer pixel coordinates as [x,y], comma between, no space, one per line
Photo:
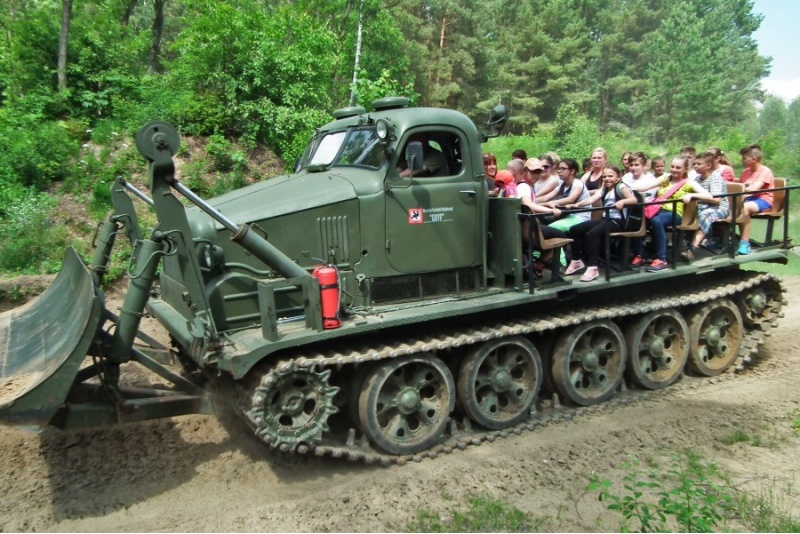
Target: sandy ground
[201,473]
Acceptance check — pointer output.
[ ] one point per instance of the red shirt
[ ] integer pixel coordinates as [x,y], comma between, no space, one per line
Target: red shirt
[764,174]
[727,172]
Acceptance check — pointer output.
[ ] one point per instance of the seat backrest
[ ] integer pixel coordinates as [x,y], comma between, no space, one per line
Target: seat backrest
[738,201]
[639,232]
[689,218]
[778,197]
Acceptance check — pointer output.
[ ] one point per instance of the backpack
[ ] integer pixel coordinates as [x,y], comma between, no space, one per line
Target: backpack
[632,215]
[509,191]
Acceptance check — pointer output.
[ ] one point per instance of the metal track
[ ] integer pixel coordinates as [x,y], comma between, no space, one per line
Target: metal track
[460,433]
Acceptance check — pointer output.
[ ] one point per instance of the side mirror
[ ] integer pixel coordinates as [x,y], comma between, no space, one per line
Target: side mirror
[414,156]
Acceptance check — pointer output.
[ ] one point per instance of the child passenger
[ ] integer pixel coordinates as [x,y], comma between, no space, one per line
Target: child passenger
[571,191]
[657,166]
[505,184]
[589,235]
[722,164]
[755,178]
[673,186]
[709,209]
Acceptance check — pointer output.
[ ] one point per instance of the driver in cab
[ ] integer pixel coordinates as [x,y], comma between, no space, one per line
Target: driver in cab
[433,161]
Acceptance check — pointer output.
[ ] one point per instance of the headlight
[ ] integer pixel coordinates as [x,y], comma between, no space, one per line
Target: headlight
[382,128]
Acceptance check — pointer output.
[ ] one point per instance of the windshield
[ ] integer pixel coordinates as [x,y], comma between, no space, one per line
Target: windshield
[360,147]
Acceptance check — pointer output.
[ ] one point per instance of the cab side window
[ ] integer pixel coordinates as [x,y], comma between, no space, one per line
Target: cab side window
[442,154]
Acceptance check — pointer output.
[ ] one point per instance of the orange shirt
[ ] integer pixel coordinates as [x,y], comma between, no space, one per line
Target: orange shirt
[764,174]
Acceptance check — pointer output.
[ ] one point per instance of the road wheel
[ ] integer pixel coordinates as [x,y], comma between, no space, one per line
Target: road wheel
[588,362]
[499,381]
[658,346]
[405,403]
[716,331]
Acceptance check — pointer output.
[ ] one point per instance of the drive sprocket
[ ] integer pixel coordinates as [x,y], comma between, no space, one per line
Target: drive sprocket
[290,407]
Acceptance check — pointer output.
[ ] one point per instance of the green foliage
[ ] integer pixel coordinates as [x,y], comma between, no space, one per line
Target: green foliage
[29,241]
[99,166]
[483,513]
[289,128]
[32,152]
[220,150]
[14,294]
[688,494]
[261,69]
[367,90]
[119,263]
[581,138]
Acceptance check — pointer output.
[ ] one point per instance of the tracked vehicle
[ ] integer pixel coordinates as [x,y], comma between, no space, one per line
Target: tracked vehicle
[426,333]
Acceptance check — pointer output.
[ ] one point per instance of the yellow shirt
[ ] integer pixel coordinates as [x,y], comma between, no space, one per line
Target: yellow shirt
[665,185]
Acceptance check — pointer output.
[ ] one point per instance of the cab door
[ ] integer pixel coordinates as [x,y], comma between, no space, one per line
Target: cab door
[432,222]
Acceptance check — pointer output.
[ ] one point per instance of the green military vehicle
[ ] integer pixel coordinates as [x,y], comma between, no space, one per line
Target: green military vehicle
[362,308]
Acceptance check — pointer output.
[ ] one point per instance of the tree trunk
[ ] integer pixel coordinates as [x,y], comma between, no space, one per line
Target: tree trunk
[63,41]
[153,64]
[358,53]
[128,12]
[604,98]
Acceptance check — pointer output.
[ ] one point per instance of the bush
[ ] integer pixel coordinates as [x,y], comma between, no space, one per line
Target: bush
[220,152]
[689,495]
[583,137]
[286,129]
[34,153]
[28,239]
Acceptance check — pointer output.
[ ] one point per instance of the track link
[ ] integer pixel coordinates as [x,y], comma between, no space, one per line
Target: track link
[461,434]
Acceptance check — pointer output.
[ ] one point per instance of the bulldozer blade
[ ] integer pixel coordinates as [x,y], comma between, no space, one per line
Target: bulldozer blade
[44,342]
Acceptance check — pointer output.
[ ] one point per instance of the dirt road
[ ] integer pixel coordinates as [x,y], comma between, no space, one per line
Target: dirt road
[204,474]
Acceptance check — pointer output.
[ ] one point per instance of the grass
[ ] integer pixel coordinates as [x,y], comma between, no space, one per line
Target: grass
[767,511]
[482,513]
[690,494]
[770,440]
[735,437]
[795,417]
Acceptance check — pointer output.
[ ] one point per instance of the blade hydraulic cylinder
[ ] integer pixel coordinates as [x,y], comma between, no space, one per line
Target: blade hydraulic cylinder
[147,260]
[102,252]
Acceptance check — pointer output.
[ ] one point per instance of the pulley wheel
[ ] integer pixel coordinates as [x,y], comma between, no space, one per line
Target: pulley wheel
[156,136]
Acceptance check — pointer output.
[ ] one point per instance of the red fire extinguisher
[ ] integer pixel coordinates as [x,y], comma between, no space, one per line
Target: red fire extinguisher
[328,278]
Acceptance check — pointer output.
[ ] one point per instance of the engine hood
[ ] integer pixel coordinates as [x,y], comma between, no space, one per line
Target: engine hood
[283,195]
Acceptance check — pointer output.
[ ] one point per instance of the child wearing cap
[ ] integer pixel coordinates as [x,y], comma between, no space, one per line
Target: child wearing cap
[505,185]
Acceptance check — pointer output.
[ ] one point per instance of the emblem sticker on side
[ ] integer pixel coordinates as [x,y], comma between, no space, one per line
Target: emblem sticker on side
[415,216]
